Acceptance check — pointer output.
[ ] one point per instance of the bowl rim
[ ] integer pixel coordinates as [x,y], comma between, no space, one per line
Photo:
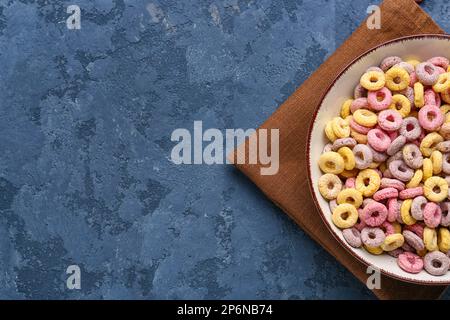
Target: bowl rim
[308,159]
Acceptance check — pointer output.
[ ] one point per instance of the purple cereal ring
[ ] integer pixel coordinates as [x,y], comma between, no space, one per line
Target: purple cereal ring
[392,183]
[439,62]
[378,140]
[412,156]
[413,240]
[372,237]
[446,163]
[360,224]
[396,145]
[416,228]
[374,214]
[430,117]
[359,92]
[443,146]
[406,66]
[432,215]
[389,62]
[378,156]
[410,128]
[343,142]
[353,237]
[427,73]
[400,170]
[359,128]
[327,147]
[380,99]
[360,103]
[393,210]
[363,156]
[436,263]
[390,120]
[411,193]
[407,248]
[395,253]
[333,204]
[431,98]
[386,193]
[417,207]
[410,262]
[445,208]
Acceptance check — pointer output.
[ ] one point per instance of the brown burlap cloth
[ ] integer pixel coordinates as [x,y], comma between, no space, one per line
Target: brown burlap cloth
[289,187]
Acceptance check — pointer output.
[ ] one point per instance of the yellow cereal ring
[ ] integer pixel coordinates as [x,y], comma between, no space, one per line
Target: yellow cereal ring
[374,165]
[367,182]
[331,162]
[435,189]
[436,160]
[348,156]
[373,80]
[444,240]
[416,179]
[344,216]
[401,104]
[443,82]
[392,242]
[405,212]
[448,69]
[360,138]
[365,117]
[329,132]
[397,79]
[350,196]
[447,117]
[374,250]
[341,127]
[427,169]
[446,95]
[430,239]
[419,96]
[329,186]
[445,108]
[429,143]
[349,173]
[413,62]
[397,227]
[345,109]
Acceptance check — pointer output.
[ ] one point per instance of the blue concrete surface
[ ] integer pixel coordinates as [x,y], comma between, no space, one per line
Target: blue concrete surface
[85,124]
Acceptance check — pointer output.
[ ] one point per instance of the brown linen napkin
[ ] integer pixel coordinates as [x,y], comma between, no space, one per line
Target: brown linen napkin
[289,187]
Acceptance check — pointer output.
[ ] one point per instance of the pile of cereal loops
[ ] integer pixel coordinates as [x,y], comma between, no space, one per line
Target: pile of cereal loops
[387,168]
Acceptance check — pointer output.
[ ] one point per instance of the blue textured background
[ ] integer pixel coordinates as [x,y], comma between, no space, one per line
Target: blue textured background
[85,124]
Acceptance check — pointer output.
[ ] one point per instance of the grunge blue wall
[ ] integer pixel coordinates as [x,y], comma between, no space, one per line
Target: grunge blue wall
[85,124]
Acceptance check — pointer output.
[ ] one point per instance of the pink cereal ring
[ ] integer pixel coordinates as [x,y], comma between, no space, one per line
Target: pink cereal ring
[385,194]
[392,183]
[390,120]
[373,99]
[432,215]
[360,103]
[430,117]
[431,98]
[411,193]
[359,128]
[412,79]
[374,214]
[379,140]
[388,228]
[350,183]
[393,209]
[440,62]
[410,262]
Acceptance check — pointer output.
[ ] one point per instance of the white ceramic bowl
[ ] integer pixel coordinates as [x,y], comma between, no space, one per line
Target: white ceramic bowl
[421,47]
